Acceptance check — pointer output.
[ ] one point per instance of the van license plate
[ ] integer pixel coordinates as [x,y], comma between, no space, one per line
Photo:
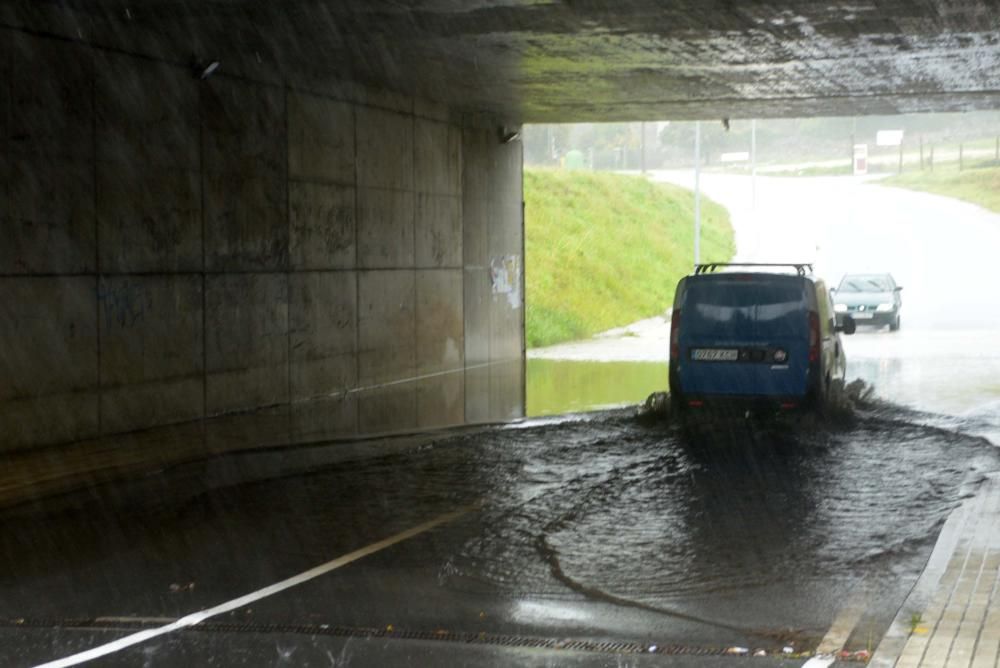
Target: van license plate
[862,316]
[715,354]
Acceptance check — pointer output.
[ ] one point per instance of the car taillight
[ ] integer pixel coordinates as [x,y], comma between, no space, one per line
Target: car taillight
[675,334]
[813,336]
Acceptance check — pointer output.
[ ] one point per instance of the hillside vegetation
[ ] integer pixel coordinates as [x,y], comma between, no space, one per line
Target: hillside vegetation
[977,185]
[603,250]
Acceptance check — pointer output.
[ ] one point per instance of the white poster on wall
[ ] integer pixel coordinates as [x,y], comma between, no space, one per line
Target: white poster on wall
[505,277]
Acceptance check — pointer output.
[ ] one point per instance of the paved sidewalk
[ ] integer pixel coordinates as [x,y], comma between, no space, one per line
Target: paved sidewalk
[952,617]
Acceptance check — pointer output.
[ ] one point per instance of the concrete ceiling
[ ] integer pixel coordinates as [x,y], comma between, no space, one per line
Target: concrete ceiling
[576,60]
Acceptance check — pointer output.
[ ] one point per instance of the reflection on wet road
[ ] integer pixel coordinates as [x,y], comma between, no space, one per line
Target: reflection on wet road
[712,530]
[597,527]
[557,386]
[954,372]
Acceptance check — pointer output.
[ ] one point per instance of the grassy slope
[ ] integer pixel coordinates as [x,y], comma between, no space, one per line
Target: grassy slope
[604,250]
[979,186]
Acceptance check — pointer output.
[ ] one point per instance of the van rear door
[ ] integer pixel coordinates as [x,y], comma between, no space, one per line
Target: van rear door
[744,335]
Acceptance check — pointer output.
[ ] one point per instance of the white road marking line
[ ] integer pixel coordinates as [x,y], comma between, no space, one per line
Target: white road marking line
[821,661]
[236,603]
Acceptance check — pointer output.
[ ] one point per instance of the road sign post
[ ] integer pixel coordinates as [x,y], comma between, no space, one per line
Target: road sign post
[697,192]
[753,164]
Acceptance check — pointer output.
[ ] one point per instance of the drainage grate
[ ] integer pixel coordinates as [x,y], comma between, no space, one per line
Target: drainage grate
[500,640]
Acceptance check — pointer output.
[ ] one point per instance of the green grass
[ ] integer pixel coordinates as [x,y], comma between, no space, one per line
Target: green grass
[604,250]
[979,185]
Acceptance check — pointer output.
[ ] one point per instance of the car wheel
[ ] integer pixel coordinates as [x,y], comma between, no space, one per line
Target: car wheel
[894,325]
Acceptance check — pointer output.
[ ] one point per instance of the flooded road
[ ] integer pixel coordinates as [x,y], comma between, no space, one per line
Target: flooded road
[596,532]
[951,374]
[569,386]
[598,527]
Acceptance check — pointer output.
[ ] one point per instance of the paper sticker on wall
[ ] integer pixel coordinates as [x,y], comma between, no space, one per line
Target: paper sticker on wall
[505,275]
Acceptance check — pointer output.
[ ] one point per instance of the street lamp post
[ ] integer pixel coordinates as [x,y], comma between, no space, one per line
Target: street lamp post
[753,164]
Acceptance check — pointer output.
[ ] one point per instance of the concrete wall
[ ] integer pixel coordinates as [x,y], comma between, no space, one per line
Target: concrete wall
[174,249]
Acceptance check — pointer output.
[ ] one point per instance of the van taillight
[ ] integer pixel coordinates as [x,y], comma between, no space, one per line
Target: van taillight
[813,336]
[675,334]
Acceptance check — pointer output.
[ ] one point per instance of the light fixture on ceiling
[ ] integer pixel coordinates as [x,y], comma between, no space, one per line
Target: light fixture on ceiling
[208,70]
[508,134]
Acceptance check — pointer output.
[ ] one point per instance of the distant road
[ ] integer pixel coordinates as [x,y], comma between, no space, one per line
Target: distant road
[940,249]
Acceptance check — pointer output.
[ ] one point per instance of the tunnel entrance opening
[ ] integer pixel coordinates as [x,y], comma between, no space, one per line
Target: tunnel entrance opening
[850,195]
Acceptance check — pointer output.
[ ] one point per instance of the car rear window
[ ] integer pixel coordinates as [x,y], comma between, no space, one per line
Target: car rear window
[739,307]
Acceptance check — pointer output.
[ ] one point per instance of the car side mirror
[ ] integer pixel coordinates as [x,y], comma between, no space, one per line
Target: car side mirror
[849,326]
[898,288]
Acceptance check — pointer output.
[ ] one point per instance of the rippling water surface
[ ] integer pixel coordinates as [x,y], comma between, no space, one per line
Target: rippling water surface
[647,514]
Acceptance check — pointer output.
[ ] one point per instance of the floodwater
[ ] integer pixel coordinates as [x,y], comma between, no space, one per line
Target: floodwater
[776,521]
[953,375]
[566,386]
[596,526]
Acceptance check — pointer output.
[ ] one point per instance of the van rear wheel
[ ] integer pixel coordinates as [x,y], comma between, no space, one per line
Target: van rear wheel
[816,398]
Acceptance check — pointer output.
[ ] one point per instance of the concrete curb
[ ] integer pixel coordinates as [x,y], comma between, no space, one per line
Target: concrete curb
[917,601]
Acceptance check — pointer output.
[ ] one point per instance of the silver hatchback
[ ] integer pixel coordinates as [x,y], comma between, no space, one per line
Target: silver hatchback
[871,299]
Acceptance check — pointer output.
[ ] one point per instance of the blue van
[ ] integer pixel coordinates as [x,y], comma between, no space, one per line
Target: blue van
[762,335]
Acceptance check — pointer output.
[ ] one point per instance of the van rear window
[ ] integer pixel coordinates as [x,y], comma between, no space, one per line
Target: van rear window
[740,307]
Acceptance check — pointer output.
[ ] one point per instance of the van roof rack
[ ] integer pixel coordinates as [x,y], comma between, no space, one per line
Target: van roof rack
[802,268]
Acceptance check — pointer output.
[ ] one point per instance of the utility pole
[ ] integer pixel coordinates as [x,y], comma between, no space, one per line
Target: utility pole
[854,132]
[642,147]
[753,164]
[697,192]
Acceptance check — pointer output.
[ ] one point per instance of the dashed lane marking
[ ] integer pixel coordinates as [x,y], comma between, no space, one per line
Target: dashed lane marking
[198,617]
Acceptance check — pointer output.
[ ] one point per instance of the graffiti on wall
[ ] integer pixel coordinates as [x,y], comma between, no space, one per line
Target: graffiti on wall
[123,303]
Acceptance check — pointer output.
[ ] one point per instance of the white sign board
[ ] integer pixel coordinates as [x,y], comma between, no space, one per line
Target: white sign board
[741,156]
[889,137]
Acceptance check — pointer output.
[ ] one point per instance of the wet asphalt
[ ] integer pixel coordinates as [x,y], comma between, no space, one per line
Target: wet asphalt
[598,529]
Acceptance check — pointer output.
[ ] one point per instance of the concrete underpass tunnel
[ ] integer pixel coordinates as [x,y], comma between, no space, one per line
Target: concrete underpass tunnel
[216,238]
